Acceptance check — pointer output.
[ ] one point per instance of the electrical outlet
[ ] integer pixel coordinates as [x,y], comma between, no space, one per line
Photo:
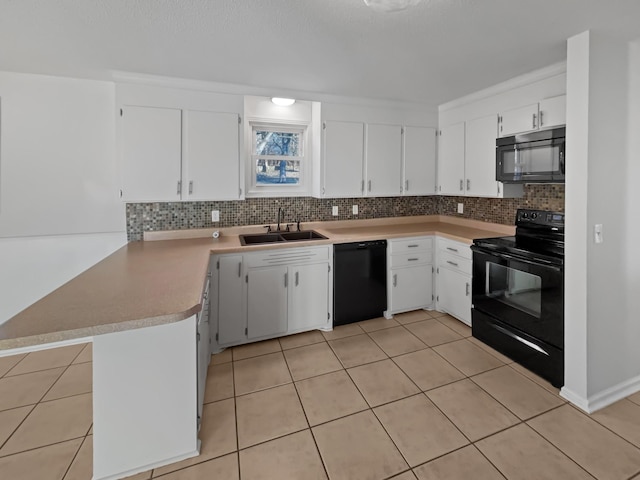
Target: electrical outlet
[334,210]
[355,209]
[215,215]
[461,208]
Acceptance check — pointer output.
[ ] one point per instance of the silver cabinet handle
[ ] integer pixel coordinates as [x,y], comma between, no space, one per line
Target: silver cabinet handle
[467,291]
[452,249]
[413,246]
[286,280]
[395,279]
[297,278]
[406,185]
[534,120]
[240,269]
[369,185]
[452,263]
[461,185]
[190,187]
[179,187]
[468,184]
[362,186]
[541,117]
[413,259]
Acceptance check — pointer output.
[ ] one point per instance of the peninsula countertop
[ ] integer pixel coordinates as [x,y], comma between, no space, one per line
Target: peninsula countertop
[157,282]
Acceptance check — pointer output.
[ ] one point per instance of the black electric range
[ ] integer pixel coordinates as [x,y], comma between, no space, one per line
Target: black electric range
[518,293]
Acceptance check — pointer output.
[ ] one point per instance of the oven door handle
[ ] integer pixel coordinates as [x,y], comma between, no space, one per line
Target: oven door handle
[539,262]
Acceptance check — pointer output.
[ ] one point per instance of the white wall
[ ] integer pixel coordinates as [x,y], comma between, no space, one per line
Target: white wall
[59,206]
[602,326]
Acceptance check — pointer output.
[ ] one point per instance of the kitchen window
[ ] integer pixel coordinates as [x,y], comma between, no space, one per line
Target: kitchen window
[278,164]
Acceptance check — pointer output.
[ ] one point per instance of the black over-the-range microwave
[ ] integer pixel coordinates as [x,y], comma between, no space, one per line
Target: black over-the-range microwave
[536,157]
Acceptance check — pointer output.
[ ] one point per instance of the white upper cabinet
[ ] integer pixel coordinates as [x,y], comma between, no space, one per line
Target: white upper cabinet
[343,155]
[384,160]
[151,153]
[419,161]
[550,112]
[178,144]
[451,160]
[553,112]
[211,169]
[480,159]
[518,120]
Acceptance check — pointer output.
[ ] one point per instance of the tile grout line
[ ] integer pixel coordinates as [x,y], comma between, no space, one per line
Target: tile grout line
[295,387]
[66,472]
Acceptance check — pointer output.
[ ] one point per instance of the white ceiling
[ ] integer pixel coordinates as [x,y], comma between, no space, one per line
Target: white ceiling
[433,53]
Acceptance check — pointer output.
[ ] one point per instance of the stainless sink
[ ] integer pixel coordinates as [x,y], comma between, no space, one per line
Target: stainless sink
[260,238]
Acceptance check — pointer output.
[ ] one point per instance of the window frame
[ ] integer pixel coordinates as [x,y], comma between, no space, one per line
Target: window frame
[278,190]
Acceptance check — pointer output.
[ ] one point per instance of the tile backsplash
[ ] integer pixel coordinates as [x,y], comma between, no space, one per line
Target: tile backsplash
[143,217]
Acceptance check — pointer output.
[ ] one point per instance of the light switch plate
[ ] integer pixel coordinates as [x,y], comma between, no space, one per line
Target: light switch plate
[355,209]
[461,208]
[597,233]
[215,215]
[334,210]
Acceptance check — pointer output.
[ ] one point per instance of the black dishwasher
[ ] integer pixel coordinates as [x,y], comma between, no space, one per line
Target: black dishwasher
[359,281]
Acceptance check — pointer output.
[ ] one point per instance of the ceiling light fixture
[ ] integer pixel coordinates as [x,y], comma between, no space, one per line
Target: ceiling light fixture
[283,102]
[386,6]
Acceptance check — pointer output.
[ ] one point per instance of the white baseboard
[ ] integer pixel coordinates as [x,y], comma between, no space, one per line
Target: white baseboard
[604,398]
[46,346]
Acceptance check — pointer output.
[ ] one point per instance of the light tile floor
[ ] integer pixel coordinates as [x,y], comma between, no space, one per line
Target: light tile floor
[410,398]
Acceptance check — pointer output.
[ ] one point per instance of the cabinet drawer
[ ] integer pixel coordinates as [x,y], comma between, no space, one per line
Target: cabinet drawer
[454,248]
[410,245]
[287,256]
[410,259]
[454,262]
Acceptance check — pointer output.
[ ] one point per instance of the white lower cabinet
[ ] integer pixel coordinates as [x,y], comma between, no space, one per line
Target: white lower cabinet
[267,294]
[267,290]
[308,297]
[454,279]
[230,304]
[409,274]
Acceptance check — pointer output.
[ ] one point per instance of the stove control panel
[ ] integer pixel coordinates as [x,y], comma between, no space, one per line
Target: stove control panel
[539,217]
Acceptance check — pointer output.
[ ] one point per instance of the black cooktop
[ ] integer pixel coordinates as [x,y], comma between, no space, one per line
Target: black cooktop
[539,237]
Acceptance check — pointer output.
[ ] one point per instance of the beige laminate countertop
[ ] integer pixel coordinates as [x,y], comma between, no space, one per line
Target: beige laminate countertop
[157,282]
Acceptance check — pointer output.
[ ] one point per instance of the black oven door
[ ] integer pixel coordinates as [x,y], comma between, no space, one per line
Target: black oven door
[520,292]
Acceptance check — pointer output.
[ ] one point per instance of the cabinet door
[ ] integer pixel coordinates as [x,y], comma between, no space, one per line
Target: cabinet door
[518,120]
[419,161]
[454,294]
[343,148]
[151,154]
[212,167]
[451,160]
[411,288]
[267,301]
[384,160]
[553,111]
[480,160]
[308,296]
[231,313]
